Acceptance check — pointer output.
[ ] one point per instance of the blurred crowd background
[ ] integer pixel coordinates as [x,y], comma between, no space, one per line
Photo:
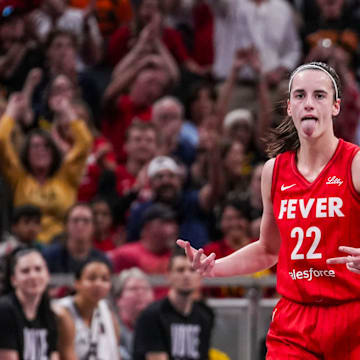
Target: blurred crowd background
[126,124]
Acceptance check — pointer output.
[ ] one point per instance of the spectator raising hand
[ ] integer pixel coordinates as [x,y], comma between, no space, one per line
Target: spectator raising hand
[40,175]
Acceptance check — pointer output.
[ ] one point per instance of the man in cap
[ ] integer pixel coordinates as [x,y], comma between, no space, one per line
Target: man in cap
[191,206]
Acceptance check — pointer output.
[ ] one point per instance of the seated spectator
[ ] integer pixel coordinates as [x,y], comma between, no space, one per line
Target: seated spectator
[149,84]
[18,52]
[25,227]
[141,145]
[176,326]
[235,227]
[133,293]
[58,15]
[234,168]
[146,33]
[40,176]
[129,181]
[28,327]
[106,235]
[109,13]
[77,248]
[159,231]
[167,115]
[193,207]
[96,329]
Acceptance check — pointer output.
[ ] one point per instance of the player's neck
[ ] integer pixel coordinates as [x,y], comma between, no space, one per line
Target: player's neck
[312,157]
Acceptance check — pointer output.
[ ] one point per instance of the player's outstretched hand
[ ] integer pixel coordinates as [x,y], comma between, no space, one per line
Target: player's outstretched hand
[352,260]
[200,262]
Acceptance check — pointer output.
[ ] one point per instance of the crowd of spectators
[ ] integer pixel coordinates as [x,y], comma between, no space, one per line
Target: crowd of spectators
[127,124]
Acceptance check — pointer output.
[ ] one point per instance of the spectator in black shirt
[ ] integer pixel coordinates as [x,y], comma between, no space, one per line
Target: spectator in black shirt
[175,327]
[27,324]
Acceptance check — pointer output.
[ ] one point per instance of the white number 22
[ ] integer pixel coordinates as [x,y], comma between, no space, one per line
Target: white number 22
[299,233]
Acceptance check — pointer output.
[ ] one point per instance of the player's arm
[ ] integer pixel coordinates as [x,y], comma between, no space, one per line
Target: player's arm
[9,355]
[156,356]
[352,257]
[254,257]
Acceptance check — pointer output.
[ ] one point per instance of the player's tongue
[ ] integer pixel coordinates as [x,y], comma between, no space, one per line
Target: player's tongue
[308,125]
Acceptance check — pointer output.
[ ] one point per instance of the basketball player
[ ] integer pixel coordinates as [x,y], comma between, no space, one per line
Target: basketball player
[311,196]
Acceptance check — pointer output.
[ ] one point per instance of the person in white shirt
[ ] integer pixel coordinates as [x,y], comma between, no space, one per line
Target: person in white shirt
[96,328]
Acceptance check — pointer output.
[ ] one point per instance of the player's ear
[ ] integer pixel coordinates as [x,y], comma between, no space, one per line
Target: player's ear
[288,107]
[336,107]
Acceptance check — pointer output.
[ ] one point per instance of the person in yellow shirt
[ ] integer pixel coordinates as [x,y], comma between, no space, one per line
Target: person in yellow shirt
[39,175]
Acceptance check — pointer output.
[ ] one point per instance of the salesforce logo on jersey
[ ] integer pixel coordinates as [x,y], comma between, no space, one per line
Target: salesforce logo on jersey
[310,274]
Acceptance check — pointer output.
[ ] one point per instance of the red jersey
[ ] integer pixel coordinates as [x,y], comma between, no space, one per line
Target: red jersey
[314,219]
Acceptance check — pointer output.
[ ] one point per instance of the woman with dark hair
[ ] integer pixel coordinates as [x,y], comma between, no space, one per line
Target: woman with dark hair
[40,176]
[28,327]
[200,104]
[106,236]
[96,327]
[311,196]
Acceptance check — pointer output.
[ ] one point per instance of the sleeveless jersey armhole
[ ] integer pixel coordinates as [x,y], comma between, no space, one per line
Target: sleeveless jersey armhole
[275,176]
[355,193]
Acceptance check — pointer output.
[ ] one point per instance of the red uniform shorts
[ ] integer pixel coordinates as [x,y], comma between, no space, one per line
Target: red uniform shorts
[314,332]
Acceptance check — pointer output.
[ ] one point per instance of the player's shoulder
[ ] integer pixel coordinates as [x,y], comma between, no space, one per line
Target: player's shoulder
[268,169]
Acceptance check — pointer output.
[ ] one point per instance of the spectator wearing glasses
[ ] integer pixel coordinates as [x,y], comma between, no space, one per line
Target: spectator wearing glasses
[78,245]
[40,175]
